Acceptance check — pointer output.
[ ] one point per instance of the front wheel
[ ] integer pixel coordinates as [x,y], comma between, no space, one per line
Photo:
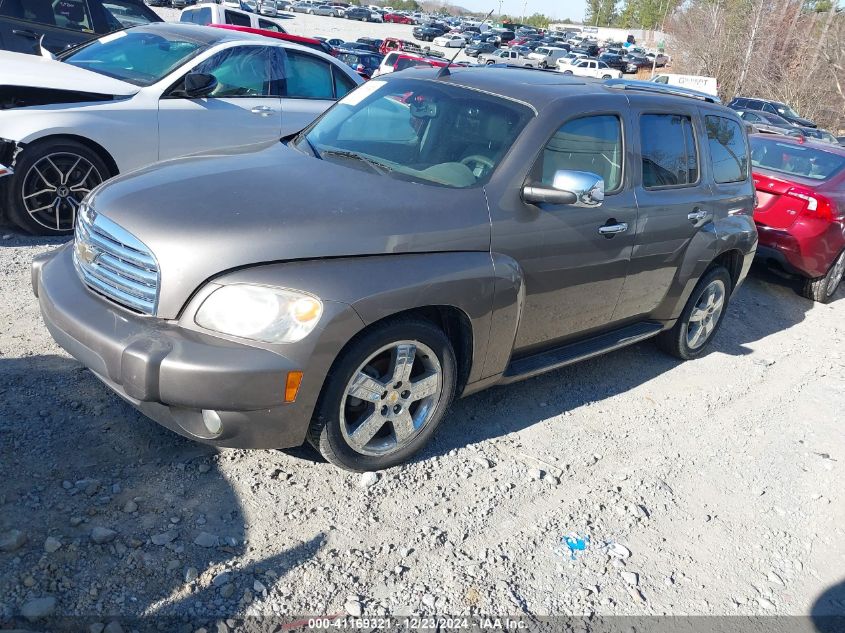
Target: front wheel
[567,72]
[51,178]
[606,77]
[821,289]
[385,396]
[701,318]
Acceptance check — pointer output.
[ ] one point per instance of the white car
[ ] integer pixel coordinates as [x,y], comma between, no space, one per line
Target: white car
[590,68]
[143,95]
[547,56]
[450,40]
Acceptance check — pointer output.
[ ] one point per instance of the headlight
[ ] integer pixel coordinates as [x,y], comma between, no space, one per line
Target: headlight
[272,315]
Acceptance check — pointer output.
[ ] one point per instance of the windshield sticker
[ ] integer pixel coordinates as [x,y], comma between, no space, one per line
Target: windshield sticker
[112,37]
[362,92]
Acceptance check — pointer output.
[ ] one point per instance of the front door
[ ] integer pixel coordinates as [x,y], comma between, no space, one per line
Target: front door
[243,109]
[574,260]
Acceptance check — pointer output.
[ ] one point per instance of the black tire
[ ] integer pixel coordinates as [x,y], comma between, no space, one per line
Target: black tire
[606,77]
[567,72]
[675,341]
[25,177]
[822,289]
[325,432]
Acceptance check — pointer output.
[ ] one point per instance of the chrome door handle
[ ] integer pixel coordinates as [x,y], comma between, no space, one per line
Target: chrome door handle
[609,230]
[697,216]
[262,110]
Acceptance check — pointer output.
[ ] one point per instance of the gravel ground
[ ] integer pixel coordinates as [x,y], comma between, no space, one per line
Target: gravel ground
[708,487]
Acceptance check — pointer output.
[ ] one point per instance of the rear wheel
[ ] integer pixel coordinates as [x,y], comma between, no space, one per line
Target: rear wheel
[605,77]
[821,289]
[701,318]
[567,72]
[50,180]
[385,396]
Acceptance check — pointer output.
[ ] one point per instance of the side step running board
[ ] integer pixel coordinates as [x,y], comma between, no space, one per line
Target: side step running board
[580,350]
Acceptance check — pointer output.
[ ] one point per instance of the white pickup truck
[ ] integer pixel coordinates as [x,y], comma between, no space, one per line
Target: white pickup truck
[505,56]
[208,13]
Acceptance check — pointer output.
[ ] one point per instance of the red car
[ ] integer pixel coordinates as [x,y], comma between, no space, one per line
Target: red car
[310,42]
[800,212]
[398,18]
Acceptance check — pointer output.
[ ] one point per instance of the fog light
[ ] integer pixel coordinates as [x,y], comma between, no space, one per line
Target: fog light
[212,421]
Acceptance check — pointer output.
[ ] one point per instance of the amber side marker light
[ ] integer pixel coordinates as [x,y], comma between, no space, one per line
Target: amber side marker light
[292,385]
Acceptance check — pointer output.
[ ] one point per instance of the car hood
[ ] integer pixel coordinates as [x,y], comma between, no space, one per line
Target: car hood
[202,216]
[32,71]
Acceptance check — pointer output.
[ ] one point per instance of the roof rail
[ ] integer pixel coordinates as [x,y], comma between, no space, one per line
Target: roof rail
[650,86]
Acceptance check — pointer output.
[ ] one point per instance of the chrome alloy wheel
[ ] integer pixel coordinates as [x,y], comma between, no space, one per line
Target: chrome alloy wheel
[705,315]
[54,187]
[836,274]
[391,397]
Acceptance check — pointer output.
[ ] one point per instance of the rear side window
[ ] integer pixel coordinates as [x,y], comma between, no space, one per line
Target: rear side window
[728,152]
[342,83]
[122,14]
[668,150]
[238,19]
[308,77]
[267,25]
[592,144]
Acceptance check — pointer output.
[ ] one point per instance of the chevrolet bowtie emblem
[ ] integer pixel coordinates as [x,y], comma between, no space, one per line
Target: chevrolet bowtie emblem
[85,252]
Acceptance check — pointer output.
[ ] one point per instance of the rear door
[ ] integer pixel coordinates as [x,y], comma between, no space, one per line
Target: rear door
[245,107]
[674,199]
[63,23]
[311,85]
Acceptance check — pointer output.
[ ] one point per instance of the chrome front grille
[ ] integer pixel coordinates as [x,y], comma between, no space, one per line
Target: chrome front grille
[114,263]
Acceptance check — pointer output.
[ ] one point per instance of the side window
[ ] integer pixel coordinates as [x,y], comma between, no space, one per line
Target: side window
[203,16]
[342,83]
[592,144]
[754,105]
[242,71]
[188,16]
[122,14]
[768,107]
[727,149]
[308,77]
[72,14]
[267,25]
[668,150]
[238,19]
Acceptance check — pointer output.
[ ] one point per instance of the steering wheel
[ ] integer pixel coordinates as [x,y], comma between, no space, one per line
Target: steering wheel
[478,159]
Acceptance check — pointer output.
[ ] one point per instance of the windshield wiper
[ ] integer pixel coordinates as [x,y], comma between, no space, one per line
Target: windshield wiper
[304,137]
[377,167]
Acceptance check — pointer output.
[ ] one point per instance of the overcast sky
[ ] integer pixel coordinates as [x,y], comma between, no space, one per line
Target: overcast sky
[555,8]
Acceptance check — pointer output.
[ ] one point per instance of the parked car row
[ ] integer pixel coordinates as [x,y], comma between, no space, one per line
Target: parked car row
[775,117]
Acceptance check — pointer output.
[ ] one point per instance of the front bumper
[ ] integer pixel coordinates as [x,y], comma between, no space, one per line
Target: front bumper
[171,373]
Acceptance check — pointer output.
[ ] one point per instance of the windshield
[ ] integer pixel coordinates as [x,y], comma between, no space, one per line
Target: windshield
[418,130]
[795,160]
[138,57]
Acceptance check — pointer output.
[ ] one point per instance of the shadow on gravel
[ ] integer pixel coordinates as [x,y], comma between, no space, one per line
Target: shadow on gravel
[763,306]
[130,510]
[828,611]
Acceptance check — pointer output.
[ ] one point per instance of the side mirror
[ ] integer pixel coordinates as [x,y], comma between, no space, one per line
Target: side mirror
[574,188]
[196,86]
